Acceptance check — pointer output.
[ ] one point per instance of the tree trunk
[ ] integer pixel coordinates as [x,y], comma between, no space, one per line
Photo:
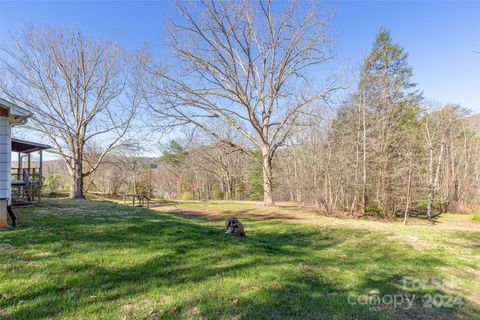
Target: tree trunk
[384,200]
[76,188]
[409,187]
[267,179]
[357,160]
[433,186]
[364,145]
[430,182]
[228,187]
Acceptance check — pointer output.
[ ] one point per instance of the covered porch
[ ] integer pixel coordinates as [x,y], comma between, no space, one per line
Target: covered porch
[26,172]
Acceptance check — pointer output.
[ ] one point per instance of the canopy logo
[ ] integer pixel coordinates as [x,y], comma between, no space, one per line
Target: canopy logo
[407,299]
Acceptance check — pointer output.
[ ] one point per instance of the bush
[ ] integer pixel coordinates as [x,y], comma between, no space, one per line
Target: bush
[255,179]
[423,204]
[373,210]
[217,193]
[186,196]
[52,182]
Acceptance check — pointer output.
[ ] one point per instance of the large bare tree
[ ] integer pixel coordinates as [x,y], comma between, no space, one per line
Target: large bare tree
[247,65]
[78,90]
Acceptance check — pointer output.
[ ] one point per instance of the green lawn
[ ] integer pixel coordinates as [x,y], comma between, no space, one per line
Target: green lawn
[97,260]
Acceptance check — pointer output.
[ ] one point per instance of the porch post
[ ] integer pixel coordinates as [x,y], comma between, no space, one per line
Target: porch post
[20,173]
[40,176]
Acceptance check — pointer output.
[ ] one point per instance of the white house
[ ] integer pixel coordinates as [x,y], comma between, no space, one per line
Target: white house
[10,115]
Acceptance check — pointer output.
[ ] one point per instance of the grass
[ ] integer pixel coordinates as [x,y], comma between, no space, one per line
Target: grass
[97,260]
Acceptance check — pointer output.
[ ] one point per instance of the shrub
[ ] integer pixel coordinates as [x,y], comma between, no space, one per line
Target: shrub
[186,196]
[217,193]
[373,210]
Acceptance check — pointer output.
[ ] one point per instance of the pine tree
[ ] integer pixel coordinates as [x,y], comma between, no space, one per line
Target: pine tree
[255,179]
[392,103]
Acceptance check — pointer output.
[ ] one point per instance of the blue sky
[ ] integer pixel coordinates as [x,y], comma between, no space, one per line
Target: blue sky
[439,36]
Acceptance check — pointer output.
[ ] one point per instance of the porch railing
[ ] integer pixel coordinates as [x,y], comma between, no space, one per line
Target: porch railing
[25,175]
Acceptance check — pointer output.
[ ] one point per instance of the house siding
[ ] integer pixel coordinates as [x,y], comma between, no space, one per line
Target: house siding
[5,159]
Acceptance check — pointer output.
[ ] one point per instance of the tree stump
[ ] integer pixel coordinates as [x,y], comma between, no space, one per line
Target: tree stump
[234,228]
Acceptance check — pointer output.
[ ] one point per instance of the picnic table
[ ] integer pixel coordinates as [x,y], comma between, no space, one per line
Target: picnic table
[140,197]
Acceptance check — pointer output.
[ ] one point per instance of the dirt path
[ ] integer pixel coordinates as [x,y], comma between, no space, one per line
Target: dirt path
[244,213]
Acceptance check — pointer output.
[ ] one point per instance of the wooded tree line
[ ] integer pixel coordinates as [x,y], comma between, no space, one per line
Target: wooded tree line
[212,171]
[436,168]
[253,80]
[432,165]
[385,151]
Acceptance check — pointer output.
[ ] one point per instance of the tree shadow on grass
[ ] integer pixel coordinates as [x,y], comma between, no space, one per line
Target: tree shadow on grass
[97,267]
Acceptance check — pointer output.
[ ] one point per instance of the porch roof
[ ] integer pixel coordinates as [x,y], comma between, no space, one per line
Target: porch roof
[27,146]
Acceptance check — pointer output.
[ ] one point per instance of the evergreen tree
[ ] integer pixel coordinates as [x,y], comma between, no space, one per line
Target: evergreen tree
[255,178]
[391,103]
[174,154]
